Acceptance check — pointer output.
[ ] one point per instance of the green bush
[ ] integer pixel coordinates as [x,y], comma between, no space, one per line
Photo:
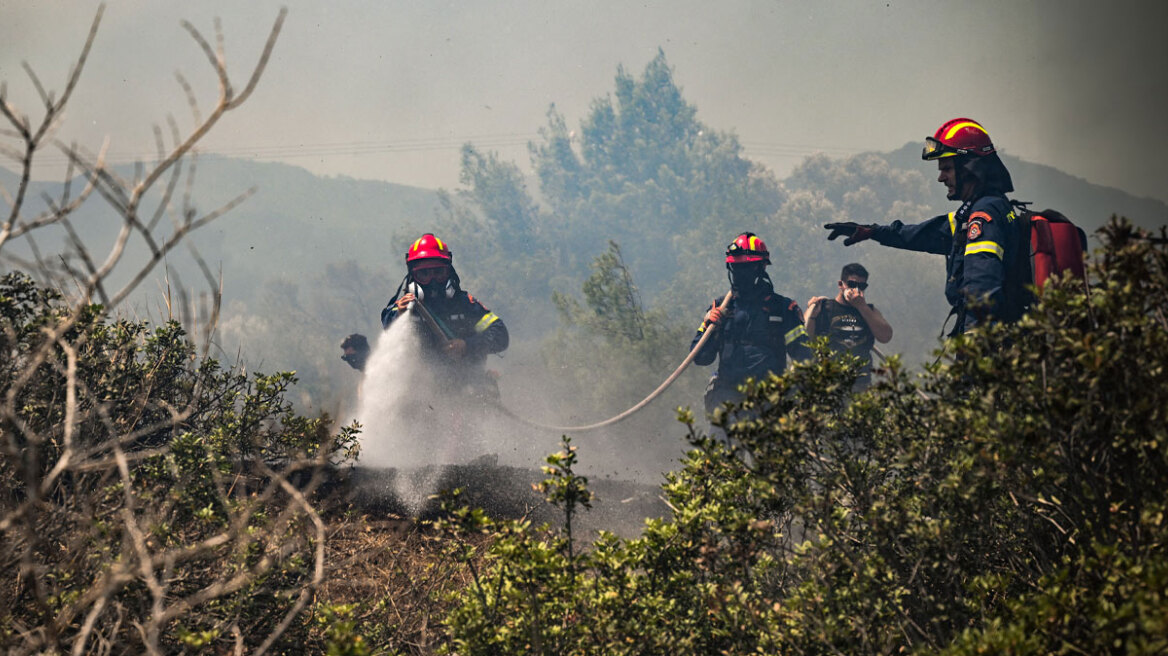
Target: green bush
[1009,499]
[147,497]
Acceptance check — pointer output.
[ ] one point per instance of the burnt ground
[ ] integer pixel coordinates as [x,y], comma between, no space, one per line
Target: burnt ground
[386,562]
[503,492]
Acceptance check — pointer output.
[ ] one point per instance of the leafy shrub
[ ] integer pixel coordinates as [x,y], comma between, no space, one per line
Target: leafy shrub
[1009,500]
[147,497]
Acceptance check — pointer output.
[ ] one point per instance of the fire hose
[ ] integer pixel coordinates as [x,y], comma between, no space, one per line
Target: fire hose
[443,334]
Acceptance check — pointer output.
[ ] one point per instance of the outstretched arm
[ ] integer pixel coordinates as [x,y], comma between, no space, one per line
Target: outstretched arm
[932,236]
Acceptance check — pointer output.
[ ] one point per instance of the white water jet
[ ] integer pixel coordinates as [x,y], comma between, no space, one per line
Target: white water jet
[413,423]
[394,431]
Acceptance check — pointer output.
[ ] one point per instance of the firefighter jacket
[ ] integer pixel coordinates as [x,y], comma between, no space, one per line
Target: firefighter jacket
[979,241]
[463,318]
[753,339]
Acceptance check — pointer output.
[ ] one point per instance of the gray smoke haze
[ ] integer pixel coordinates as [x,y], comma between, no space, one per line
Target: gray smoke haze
[389,90]
[410,422]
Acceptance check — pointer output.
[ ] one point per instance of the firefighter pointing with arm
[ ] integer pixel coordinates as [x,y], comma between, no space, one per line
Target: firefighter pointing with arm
[758,330]
[979,240]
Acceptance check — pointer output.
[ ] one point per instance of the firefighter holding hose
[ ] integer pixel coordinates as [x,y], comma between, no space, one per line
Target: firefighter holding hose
[458,331]
[758,330]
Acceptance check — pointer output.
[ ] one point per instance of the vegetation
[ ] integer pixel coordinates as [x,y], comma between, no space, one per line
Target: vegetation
[148,495]
[1007,499]
[1010,500]
[151,500]
[612,331]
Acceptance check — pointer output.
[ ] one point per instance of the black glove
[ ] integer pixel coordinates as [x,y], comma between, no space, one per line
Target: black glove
[855,232]
[356,349]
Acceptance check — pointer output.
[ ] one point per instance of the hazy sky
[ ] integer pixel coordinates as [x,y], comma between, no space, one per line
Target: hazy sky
[389,90]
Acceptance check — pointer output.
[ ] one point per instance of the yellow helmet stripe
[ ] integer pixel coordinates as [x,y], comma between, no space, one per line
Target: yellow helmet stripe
[415,246]
[441,246]
[985,247]
[752,243]
[964,124]
[484,323]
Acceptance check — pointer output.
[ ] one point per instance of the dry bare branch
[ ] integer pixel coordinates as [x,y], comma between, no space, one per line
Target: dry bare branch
[53,111]
[89,427]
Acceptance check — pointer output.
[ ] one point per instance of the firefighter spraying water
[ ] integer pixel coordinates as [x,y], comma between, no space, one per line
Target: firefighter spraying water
[463,332]
[426,385]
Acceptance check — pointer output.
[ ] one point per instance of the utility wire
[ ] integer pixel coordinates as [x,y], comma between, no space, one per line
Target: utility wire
[424,144]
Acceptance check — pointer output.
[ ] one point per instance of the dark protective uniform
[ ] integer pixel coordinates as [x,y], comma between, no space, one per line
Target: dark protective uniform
[753,339]
[979,241]
[464,318]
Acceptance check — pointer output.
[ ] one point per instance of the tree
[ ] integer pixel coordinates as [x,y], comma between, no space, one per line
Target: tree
[616,350]
[647,172]
[505,253]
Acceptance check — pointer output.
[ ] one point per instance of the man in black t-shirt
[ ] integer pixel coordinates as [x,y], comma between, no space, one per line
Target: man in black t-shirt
[850,323]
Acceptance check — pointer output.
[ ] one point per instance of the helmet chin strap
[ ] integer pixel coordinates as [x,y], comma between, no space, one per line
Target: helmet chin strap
[968,183]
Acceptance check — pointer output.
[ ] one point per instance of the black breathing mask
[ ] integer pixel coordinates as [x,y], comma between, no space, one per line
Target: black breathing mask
[747,277]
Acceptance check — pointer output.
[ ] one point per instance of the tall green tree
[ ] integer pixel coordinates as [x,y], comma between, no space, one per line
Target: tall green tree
[503,251]
[644,171]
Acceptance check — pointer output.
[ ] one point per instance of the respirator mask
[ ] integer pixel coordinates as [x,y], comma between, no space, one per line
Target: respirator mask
[432,282]
[747,278]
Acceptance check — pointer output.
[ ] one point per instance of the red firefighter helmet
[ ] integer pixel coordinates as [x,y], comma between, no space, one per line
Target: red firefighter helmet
[747,247]
[960,136]
[428,247]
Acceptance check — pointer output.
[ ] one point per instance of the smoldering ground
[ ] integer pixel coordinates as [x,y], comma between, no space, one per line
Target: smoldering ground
[418,439]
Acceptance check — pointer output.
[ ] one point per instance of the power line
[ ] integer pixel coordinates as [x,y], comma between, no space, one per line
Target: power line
[424,144]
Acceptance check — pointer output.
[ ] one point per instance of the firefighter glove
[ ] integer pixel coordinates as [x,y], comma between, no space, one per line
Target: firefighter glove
[356,351]
[854,231]
[456,349]
[714,315]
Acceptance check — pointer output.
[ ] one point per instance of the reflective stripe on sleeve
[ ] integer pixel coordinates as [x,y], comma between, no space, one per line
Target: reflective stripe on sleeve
[953,223]
[484,323]
[795,333]
[985,247]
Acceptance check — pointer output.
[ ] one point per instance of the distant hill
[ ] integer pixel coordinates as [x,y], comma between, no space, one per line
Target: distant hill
[298,222]
[294,224]
[1087,204]
[298,219]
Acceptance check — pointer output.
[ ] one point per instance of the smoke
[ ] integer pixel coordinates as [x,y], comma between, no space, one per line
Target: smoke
[418,425]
